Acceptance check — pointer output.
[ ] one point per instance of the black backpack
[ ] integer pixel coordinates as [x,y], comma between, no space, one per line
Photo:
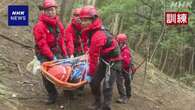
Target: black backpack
[115,52]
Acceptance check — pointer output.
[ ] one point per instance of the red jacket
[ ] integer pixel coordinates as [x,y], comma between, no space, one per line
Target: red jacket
[97,49]
[46,43]
[74,41]
[126,55]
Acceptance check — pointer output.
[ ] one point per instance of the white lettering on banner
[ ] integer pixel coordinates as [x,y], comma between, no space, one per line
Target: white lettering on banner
[18,18]
[18,13]
[13,18]
[171,18]
[181,4]
[182,18]
[176,18]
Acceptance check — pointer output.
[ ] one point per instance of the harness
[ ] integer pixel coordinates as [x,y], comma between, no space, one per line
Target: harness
[112,53]
[56,35]
[109,40]
[78,39]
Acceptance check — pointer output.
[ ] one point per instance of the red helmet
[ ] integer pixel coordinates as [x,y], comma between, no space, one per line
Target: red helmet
[49,3]
[60,72]
[121,38]
[88,12]
[76,11]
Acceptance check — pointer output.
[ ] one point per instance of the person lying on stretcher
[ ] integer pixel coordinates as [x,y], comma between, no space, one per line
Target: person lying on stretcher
[69,73]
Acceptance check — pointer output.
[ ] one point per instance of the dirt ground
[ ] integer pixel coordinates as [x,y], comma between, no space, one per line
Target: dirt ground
[21,90]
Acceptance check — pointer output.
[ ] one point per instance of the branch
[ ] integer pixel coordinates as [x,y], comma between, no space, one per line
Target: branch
[147,18]
[158,42]
[146,4]
[140,15]
[16,42]
[11,62]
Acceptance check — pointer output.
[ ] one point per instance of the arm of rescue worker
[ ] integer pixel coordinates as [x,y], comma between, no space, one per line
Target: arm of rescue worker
[69,40]
[40,40]
[97,43]
[131,65]
[62,40]
[88,78]
[126,59]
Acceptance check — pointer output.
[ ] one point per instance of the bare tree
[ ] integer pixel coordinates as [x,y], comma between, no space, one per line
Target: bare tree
[65,10]
[115,24]
[89,2]
[165,60]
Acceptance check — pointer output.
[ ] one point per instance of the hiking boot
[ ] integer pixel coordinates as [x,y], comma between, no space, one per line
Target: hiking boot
[70,93]
[73,96]
[94,106]
[106,108]
[123,100]
[51,99]
[80,92]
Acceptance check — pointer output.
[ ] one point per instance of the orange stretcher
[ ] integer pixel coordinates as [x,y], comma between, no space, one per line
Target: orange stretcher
[59,80]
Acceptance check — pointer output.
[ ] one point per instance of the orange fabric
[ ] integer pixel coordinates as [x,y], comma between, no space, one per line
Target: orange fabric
[64,84]
[60,72]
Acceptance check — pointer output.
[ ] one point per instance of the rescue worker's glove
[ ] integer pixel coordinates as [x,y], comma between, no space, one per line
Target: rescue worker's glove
[54,58]
[72,56]
[65,57]
[88,78]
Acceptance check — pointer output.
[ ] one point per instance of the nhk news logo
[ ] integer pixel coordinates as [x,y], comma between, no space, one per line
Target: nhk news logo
[18,15]
[176,18]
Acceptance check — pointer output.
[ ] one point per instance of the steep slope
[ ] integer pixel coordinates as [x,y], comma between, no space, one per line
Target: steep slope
[20,90]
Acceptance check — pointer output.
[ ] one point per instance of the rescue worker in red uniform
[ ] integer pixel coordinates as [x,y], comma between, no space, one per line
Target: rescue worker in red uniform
[49,42]
[74,40]
[104,58]
[75,43]
[124,79]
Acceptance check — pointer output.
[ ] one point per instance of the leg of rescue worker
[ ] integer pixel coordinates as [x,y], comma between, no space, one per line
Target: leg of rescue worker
[52,92]
[80,91]
[107,91]
[127,84]
[120,87]
[70,93]
[96,86]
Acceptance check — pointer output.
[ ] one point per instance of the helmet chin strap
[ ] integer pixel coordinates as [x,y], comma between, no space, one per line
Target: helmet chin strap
[122,45]
[94,18]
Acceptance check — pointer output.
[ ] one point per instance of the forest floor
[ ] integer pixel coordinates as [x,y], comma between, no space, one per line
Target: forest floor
[21,90]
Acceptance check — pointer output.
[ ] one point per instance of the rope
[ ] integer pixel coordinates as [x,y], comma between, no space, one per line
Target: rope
[108,73]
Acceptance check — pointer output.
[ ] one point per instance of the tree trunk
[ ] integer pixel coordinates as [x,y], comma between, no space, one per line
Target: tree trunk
[193,61]
[140,41]
[121,24]
[146,61]
[165,60]
[173,66]
[160,60]
[191,66]
[62,12]
[157,43]
[115,26]
[163,30]
[93,2]
[90,2]
[181,61]
[65,11]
